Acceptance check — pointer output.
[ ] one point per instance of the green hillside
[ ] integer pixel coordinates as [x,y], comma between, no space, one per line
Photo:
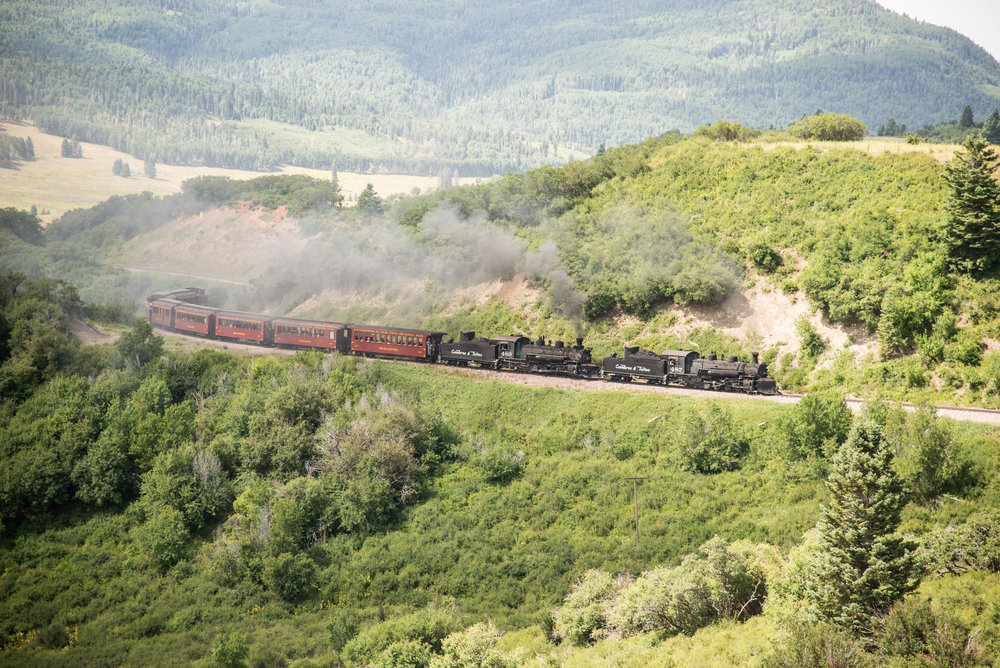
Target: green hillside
[163,508]
[444,86]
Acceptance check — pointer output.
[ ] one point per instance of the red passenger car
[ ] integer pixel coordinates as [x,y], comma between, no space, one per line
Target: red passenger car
[410,343]
[310,334]
[160,312]
[195,319]
[244,326]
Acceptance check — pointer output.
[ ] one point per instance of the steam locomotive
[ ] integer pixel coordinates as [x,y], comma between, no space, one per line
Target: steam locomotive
[186,311]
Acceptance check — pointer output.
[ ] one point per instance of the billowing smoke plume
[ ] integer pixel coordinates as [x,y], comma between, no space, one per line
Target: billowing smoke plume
[384,257]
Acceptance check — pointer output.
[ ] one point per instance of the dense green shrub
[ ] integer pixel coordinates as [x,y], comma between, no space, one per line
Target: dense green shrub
[828,127]
[815,427]
[708,440]
[429,626]
[970,545]
[582,618]
[915,632]
[475,647]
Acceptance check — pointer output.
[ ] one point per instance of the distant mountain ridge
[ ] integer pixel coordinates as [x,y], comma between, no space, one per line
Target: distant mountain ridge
[481,87]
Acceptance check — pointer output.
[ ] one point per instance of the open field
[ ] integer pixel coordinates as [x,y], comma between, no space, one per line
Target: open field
[875,146]
[55,184]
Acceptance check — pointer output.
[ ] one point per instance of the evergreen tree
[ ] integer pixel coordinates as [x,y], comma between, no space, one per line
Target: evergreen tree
[966,121]
[972,232]
[126,170]
[30,146]
[116,167]
[369,201]
[149,168]
[991,127]
[65,149]
[861,569]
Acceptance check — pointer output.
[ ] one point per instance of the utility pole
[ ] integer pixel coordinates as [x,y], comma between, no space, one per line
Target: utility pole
[635,498]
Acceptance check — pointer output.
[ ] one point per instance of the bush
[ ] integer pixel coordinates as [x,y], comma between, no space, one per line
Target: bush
[429,626]
[230,649]
[971,545]
[290,576]
[815,427]
[475,647]
[819,645]
[915,631]
[707,439]
[829,127]
[582,615]
[163,537]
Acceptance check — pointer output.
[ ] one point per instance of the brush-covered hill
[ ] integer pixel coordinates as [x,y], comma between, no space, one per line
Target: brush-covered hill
[828,258]
[431,87]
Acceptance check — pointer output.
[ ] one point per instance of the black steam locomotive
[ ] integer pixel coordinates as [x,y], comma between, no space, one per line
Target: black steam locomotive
[685,367]
[186,311]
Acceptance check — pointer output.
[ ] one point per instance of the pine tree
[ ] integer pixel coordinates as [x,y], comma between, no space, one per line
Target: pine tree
[991,127]
[861,569]
[369,202]
[966,121]
[30,146]
[126,170]
[972,232]
[66,150]
[149,167]
[116,167]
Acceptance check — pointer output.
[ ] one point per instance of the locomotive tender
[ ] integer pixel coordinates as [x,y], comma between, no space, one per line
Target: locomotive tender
[186,311]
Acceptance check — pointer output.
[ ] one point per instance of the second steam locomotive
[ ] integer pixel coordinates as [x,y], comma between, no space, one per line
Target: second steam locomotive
[186,311]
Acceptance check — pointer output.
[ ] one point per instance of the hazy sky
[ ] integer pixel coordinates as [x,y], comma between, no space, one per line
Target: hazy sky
[979,20]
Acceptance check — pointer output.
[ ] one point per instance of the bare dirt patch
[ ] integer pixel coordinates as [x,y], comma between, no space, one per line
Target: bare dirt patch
[770,316]
[88,335]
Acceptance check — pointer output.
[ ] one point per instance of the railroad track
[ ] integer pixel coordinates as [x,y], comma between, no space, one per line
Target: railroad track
[967,414]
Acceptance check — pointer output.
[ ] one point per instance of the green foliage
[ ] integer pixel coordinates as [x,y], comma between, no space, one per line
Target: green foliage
[163,537]
[972,233]
[369,202]
[812,645]
[916,632]
[290,576]
[230,649]
[727,131]
[582,618]
[708,440]
[717,582]
[429,626]
[369,93]
[139,345]
[861,569]
[474,647]
[927,455]
[968,546]
[815,427]
[828,127]
[811,343]
[297,192]
[21,224]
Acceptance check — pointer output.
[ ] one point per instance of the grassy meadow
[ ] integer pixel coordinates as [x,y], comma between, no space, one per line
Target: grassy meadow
[55,184]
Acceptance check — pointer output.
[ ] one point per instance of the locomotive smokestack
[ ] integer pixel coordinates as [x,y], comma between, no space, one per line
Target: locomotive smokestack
[579,342]
[466,336]
[559,344]
[756,357]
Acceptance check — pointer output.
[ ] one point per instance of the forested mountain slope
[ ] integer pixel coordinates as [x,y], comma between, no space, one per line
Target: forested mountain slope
[480,88]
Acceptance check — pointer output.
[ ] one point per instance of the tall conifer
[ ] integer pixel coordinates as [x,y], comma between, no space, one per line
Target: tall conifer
[861,569]
[972,233]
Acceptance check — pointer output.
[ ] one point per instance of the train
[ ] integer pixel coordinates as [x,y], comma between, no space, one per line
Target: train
[186,311]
